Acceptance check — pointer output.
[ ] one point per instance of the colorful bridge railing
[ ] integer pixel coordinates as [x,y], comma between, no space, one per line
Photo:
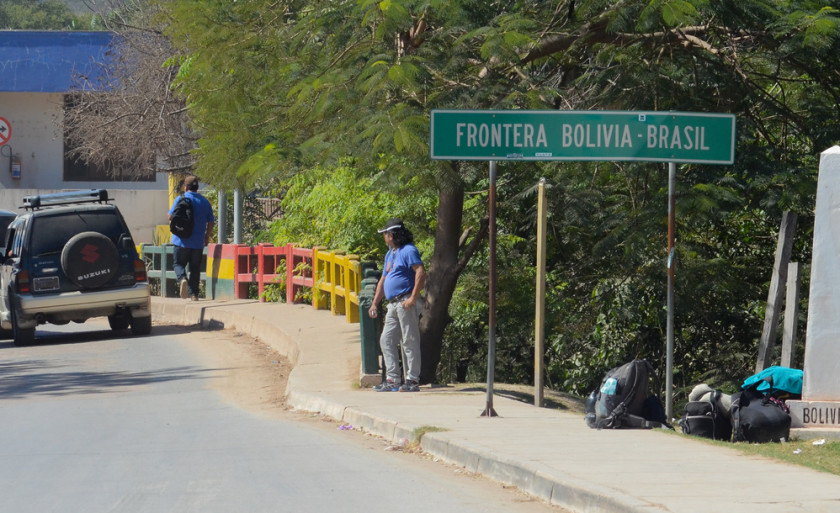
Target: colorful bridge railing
[333,278]
[160,261]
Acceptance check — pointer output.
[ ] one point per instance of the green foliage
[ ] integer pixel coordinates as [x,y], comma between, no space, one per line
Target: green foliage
[342,208]
[304,294]
[276,292]
[670,13]
[43,15]
[465,347]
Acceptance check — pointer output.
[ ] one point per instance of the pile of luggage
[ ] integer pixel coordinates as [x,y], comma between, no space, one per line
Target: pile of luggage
[757,413]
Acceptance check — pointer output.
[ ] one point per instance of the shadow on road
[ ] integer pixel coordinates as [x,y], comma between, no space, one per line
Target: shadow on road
[46,337]
[30,377]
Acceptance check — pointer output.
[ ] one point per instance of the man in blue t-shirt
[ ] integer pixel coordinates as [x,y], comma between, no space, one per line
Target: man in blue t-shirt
[189,251]
[402,280]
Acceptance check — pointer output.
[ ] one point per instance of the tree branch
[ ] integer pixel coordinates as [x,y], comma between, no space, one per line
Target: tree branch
[471,248]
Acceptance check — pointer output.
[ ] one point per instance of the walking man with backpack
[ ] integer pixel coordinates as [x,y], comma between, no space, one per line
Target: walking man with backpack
[191,222]
[402,280]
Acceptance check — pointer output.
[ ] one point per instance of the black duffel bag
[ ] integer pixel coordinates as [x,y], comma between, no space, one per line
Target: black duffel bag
[757,417]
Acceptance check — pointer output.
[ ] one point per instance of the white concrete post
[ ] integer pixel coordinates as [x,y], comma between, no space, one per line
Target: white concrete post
[820,405]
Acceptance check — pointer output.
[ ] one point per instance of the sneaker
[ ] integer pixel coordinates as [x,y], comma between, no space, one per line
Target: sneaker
[387,386]
[410,386]
[194,298]
[184,289]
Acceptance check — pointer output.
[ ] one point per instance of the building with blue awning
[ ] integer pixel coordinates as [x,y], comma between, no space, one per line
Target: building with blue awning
[38,70]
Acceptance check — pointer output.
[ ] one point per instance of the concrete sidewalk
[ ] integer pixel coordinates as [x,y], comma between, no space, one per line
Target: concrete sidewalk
[547,453]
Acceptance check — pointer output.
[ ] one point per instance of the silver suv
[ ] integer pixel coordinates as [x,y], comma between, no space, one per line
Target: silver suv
[71,257]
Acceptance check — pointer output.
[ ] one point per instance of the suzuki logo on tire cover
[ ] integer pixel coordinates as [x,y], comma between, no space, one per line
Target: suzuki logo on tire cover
[90,253]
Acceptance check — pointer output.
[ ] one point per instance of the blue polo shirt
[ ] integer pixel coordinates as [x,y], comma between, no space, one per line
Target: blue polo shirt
[202,214]
[398,273]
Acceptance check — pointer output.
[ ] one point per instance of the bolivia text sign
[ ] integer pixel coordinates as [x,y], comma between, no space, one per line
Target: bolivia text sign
[582,135]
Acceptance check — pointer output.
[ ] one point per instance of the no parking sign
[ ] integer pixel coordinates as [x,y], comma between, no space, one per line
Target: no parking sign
[5,131]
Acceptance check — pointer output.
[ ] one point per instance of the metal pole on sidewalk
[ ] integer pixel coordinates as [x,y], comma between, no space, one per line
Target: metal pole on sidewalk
[237,216]
[669,364]
[539,316]
[491,346]
[222,221]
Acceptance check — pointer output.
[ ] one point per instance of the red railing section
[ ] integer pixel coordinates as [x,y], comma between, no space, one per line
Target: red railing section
[333,277]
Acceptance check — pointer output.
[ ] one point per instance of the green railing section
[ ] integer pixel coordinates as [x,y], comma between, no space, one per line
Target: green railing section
[160,262]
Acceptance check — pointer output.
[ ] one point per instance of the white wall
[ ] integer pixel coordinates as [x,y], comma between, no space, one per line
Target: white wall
[37,138]
[36,121]
[142,210]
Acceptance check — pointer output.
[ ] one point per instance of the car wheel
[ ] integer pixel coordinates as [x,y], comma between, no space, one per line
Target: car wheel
[90,260]
[21,336]
[119,321]
[141,325]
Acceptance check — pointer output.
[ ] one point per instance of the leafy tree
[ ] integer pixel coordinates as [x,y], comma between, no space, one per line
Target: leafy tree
[43,15]
[320,80]
[717,57]
[137,74]
[275,87]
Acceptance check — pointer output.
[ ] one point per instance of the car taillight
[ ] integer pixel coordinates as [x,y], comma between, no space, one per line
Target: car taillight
[139,270]
[22,281]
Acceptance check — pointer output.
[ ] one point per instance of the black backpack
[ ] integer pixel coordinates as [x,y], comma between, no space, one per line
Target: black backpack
[182,221]
[623,400]
[706,419]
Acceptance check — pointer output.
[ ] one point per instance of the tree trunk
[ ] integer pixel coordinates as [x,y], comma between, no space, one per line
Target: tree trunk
[442,277]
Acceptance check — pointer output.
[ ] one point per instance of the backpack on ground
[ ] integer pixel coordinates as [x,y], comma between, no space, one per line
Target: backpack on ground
[759,417]
[623,400]
[706,419]
[182,221]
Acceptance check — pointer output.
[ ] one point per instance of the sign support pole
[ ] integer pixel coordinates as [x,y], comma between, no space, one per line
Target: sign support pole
[669,364]
[539,317]
[491,346]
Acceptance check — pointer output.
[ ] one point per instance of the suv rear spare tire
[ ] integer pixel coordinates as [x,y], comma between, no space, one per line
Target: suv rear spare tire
[90,260]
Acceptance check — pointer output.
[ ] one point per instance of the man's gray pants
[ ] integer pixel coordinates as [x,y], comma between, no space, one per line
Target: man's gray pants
[402,325]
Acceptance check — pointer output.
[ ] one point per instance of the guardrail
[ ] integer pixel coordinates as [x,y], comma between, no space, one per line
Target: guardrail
[338,277]
[265,264]
[160,261]
[333,278]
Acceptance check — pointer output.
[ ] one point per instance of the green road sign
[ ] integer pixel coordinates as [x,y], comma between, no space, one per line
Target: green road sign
[583,135]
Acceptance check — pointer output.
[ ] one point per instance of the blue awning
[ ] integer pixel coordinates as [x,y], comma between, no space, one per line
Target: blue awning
[51,61]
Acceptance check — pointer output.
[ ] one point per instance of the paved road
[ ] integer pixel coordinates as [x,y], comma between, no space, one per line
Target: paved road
[95,423]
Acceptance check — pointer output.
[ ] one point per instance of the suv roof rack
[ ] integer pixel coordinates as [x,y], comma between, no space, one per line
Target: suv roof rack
[65,198]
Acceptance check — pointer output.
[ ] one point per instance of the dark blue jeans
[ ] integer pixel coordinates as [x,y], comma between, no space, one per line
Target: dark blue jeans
[188,257]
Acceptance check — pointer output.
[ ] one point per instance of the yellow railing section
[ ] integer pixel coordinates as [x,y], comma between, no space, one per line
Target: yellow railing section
[338,277]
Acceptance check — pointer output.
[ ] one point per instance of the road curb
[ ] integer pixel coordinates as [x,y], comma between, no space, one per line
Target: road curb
[564,491]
